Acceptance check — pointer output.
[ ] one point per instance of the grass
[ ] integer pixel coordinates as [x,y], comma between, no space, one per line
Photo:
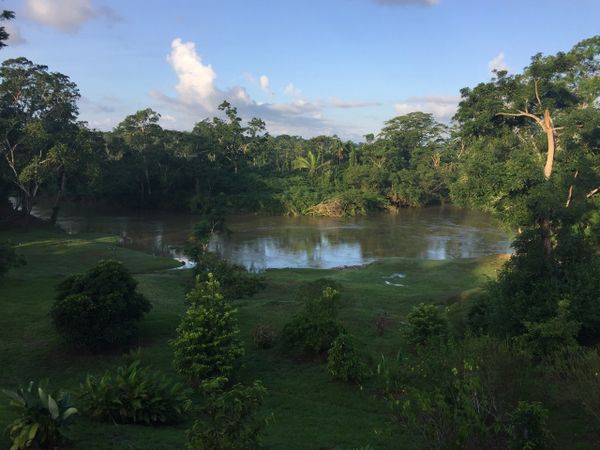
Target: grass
[310,411]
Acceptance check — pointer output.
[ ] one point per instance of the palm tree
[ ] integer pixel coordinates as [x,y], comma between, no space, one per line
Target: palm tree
[309,163]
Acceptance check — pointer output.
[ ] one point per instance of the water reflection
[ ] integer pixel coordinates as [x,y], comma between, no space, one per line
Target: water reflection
[275,242]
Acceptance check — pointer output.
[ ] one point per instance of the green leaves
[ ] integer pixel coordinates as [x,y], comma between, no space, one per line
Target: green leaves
[315,327]
[42,415]
[134,394]
[228,418]
[99,309]
[207,343]
[343,361]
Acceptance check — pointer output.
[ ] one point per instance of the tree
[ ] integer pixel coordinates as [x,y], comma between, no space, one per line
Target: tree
[207,344]
[532,142]
[5,15]
[532,156]
[142,136]
[37,121]
[309,163]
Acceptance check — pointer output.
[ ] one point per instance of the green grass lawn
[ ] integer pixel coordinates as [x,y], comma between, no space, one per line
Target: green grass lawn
[310,410]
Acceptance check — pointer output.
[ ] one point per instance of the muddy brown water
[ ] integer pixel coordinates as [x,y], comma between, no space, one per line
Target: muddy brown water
[261,242]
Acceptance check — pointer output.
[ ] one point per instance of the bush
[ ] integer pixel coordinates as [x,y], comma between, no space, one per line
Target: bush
[531,286]
[425,324]
[308,291]
[236,281]
[314,329]
[263,336]
[577,371]
[528,428]
[229,419]
[134,394]
[99,309]
[42,417]
[543,339]
[207,343]
[344,363]
[457,394]
[8,258]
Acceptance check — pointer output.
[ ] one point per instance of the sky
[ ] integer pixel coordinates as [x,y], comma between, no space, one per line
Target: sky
[306,67]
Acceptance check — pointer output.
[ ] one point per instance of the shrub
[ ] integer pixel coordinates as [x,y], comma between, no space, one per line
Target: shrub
[229,419]
[542,339]
[236,281]
[313,330]
[207,343]
[425,324]
[8,258]
[344,363]
[459,415]
[42,417]
[263,336]
[134,394]
[99,309]
[311,290]
[577,371]
[528,427]
[457,394]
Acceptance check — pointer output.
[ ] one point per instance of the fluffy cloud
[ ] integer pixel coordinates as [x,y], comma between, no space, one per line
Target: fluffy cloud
[497,63]
[292,91]
[65,15]
[196,80]
[407,2]
[442,107]
[198,97]
[265,84]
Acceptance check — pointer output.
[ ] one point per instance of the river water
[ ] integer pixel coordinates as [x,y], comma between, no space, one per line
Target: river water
[260,242]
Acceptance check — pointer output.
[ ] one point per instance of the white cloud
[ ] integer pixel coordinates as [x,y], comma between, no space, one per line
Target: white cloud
[65,15]
[407,2]
[198,97]
[497,63]
[442,107]
[348,104]
[168,118]
[265,84]
[196,81]
[291,91]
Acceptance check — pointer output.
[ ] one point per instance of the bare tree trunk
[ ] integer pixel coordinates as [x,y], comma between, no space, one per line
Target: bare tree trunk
[549,129]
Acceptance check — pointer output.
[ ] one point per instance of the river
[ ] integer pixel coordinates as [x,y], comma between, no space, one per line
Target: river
[261,242]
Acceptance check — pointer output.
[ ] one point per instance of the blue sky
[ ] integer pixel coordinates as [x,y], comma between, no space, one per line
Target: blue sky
[306,67]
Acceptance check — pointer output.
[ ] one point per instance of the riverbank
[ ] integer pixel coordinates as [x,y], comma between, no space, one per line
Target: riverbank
[310,410]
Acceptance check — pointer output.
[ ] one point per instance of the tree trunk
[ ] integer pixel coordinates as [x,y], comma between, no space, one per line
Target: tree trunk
[61,189]
[546,235]
[549,129]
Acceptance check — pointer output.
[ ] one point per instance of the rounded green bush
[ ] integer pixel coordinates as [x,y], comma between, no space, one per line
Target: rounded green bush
[99,309]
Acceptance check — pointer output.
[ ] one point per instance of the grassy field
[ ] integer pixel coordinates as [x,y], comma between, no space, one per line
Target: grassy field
[310,411]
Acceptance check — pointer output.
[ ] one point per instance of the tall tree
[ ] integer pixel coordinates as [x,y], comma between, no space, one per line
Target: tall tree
[38,111]
[532,142]
[143,138]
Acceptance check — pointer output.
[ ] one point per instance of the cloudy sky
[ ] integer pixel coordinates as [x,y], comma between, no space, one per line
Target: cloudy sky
[306,67]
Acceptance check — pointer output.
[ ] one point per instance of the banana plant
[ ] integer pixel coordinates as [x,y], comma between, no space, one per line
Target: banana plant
[41,416]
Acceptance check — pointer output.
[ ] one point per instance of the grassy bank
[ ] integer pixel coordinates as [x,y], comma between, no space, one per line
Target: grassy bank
[310,410]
